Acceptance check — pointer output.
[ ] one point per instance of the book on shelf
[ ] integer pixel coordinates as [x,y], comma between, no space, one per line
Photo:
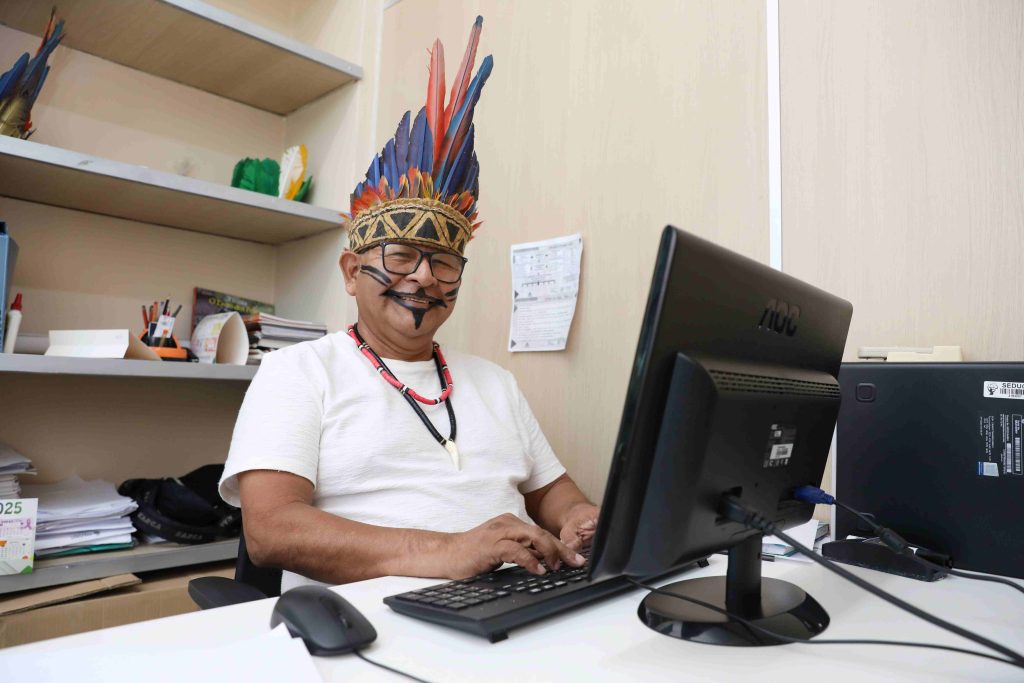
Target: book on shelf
[12,465]
[275,332]
[270,343]
[208,302]
[268,332]
[264,320]
[8,257]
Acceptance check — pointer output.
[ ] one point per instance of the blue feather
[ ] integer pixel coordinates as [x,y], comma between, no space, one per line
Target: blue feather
[402,148]
[390,165]
[465,115]
[10,79]
[416,141]
[471,173]
[39,87]
[37,69]
[373,173]
[452,184]
[428,151]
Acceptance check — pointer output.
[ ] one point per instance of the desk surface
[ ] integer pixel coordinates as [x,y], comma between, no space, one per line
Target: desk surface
[606,641]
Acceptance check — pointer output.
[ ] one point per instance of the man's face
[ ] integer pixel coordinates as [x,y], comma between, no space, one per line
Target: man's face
[411,305]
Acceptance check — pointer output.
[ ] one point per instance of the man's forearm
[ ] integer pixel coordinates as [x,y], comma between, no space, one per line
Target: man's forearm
[299,538]
[553,508]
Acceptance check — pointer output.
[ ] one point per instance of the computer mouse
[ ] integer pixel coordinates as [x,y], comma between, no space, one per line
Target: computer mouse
[327,623]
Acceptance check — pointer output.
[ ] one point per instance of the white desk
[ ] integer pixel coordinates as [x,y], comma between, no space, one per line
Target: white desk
[606,641]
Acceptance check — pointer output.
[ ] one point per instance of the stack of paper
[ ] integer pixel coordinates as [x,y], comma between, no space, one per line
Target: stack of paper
[809,535]
[77,516]
[12,463]
[268,332]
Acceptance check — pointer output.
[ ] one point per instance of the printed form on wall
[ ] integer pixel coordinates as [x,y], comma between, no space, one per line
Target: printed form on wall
[545,285]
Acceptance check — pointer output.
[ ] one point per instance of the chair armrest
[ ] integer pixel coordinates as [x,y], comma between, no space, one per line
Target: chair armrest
[219,591]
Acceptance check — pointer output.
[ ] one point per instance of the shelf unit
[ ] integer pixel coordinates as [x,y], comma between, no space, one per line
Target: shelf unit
[59,177]
[196,44]
[145,557]
[113,367]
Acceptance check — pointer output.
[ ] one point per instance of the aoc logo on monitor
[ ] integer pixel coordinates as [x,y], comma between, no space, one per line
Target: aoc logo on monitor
[779,317]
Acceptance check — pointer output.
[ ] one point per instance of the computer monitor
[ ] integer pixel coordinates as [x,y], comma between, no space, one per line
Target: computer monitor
[733,391]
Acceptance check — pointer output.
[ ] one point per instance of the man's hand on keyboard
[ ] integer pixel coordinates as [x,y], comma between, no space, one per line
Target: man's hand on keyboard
[507,539]
[579,526]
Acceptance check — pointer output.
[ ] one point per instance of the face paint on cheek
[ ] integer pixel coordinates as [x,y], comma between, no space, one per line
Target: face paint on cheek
[417,311]
[376,274]
[452,295]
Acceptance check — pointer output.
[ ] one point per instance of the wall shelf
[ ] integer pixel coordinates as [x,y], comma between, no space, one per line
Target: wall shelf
[195,44]
[59,177]
[145,557]
[119,367]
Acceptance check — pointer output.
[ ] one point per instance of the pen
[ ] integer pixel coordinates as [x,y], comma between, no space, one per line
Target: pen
[145,318]
[177,311]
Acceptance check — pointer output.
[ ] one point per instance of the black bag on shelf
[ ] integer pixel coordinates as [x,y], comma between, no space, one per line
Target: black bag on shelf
[187,509]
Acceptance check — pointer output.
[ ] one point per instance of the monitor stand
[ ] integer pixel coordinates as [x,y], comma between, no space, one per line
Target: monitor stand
[777,606]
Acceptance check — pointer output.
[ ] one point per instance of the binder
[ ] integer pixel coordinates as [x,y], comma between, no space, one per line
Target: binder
[8,255]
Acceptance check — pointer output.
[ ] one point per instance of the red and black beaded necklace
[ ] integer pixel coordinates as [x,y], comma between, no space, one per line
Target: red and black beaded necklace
[413,398]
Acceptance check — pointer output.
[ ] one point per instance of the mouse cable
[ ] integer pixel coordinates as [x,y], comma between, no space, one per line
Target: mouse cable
[735,511]
[385,666]
[895,542]
[780,638]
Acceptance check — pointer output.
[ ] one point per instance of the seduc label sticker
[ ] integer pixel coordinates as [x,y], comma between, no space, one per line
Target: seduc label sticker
[1001,448]
[781,439]
[996,389]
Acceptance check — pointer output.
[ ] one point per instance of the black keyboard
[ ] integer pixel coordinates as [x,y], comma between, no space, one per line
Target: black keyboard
[491,604]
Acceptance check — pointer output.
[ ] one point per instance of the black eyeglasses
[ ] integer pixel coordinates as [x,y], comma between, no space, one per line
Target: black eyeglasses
[405,259]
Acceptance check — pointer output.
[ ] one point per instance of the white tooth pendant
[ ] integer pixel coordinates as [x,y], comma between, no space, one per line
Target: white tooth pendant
[453,451]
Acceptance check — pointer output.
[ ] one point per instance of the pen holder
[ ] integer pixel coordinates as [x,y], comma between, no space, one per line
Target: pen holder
[172,351]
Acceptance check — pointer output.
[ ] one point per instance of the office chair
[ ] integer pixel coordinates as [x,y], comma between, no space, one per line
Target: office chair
[250,583]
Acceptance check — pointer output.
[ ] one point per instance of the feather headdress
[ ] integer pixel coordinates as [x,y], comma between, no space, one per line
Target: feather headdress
[423,186]
[20,86]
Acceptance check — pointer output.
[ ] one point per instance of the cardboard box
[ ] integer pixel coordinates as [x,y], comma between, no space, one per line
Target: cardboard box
[160,594]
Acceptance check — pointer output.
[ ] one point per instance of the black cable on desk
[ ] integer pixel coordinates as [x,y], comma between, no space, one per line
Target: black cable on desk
[385,666]
[895,542]
[778,637]
[735,511]
[976,577]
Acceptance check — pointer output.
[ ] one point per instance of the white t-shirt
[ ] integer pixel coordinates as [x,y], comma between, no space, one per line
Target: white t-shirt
[320,410]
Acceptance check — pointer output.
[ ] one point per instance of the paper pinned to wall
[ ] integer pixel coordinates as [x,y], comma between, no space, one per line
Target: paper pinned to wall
[545,285]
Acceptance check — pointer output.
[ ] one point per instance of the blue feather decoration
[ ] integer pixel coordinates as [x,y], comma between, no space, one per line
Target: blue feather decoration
[37,69]
[461,121]
[21,85]
[11,78]
[471,174]
[419,126]
[402,147]
[388,164]
[458,167]
[373,173]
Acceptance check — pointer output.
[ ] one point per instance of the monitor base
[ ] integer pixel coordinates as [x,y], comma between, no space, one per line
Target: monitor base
[786,609]
[774,605]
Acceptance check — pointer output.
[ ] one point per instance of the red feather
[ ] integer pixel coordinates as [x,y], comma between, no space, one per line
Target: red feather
[462,79]
[435,96]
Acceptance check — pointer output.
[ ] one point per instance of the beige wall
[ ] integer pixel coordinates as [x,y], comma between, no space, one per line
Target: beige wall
[606,118]
[902,158]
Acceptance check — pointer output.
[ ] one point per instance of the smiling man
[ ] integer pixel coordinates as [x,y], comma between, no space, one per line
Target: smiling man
[369,453]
